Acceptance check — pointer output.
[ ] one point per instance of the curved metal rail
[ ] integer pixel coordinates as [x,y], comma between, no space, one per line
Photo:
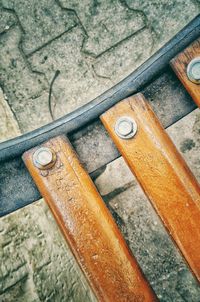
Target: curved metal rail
[133,83]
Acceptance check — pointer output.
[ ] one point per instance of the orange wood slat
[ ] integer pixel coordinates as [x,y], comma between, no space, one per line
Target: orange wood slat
[88,227]
[162,173]
[180,64]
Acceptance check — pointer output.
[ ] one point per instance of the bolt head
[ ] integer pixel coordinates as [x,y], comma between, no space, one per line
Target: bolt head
[125,127]
[193,70]
[44,158]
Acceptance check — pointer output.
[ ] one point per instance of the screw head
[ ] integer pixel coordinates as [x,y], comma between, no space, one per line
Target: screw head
[193,70]
[125,127]
[44,158]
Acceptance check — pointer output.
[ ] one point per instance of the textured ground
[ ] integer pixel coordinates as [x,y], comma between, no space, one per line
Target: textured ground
[90,45]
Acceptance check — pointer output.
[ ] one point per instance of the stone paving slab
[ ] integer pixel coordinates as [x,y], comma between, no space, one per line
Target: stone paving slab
[25,90]
[36,264]
[125,55]
[8,125]
[40,21]
[165,17]
[76,82]
[106,23]
[92,44]
[7,20]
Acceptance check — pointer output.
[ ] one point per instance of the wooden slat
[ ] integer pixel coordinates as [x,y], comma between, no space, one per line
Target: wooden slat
[88,227]
[179,65]
[162,173]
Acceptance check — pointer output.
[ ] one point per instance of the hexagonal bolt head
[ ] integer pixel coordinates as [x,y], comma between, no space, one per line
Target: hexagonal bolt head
[125,127]
[44,158]
[193,70]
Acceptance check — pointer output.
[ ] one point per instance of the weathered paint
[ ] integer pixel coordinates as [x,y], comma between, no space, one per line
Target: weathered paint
[162,173]
[88,227]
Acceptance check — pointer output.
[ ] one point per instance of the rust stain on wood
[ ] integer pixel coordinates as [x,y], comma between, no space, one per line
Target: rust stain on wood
[162,173]
[179,65]
[88,227]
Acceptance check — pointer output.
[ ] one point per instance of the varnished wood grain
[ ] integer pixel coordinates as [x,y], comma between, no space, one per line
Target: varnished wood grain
[179,65]
[88,227]
[162,173]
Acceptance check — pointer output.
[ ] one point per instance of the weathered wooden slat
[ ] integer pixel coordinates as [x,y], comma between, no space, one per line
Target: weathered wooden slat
[87,225]
[162,173]
[180,65]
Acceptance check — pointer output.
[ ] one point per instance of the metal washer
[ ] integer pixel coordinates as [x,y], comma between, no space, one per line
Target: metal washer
[190,72]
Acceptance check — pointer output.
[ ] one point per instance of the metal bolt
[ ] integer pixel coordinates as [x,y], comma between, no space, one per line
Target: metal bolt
[44,158]
[125,127]
[193,70]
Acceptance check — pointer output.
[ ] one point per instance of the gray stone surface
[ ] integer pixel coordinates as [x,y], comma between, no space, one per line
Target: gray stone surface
[40,21]
[76,84]
[6,20]
[165,17]
[36,264]
[106,23]
[93,45]
[116,63]
[8,125]
[25,89]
